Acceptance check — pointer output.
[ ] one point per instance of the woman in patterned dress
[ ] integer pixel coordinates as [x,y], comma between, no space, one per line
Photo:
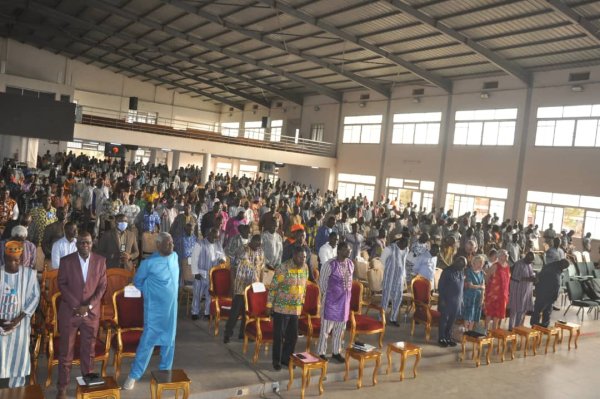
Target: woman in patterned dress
[496,294]
[473,293]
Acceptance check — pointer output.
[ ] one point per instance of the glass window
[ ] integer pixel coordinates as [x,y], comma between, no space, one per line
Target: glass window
[254,130]
[316,131]
[276,128]
[489,127]
[350,185]
[416,128]
[592,223]
[362,129]
[579,130]
[230,129]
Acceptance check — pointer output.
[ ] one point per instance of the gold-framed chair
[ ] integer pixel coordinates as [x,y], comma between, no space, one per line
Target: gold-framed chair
[116,279]
[220,294]
[424,314]
[258,325]
[101,349]
[128,323]
[309,322]
[360,324]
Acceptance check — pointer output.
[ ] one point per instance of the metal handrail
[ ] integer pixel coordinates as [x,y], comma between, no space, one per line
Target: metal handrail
[200,131]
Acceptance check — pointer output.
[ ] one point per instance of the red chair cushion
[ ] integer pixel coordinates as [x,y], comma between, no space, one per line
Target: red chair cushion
[355,296]
[303,325]
[222,302]
[257,302]
[130,311]
[221,279]
[130,339]
[266,327]
[422,290]
[365,323]
[311,300]
[420,315]
[98,348]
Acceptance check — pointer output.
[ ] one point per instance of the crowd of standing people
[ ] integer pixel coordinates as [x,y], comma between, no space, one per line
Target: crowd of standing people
[85,215]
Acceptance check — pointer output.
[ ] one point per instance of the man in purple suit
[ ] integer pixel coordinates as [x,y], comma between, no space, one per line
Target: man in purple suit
[82,282]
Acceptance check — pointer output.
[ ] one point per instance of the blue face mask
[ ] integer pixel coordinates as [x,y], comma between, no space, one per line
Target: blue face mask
[122,226]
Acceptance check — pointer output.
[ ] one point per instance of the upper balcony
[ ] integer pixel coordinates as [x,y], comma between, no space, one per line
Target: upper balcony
[199,131]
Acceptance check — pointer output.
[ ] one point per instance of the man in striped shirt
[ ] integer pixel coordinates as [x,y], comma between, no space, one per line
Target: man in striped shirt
[247,263]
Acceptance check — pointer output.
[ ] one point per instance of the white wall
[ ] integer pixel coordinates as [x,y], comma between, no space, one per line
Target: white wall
[35,69]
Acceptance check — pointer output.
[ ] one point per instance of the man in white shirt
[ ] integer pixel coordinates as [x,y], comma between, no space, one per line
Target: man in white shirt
[426,262]
[66,245]
[206,254]
[272,245]
[329,249]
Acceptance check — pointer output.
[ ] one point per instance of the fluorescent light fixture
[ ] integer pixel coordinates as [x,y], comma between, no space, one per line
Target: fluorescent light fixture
[243,160]
[166,150]
[577,88]
[116,143]
[314,167]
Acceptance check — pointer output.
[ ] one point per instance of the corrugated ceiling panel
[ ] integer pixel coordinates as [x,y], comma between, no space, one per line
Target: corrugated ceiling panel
[569,58]
[406,34]
[513,25]
[525,38]
[323,7]
[371,27]
[511,11]
[451,7]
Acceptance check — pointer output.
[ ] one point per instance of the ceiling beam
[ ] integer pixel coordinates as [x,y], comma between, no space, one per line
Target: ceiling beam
[43,42]
[213,47]
[509,67]
[261,37]
[432,78]
[589,28]
[147,45]
[142,60]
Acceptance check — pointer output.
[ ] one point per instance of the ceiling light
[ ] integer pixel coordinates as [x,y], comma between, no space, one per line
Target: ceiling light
[362,104]
[577,88]
[314,167]
[484,95]
[317,108]
[416,100]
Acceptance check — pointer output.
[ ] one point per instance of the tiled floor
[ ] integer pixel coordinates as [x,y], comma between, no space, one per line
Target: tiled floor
[222,371]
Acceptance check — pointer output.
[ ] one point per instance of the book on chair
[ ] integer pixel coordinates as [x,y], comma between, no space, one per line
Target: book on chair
[93,379]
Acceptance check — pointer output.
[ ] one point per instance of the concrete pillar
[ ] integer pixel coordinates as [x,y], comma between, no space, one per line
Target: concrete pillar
[152,160]
[206,167]
[130,157]
[28,151]
[175,160]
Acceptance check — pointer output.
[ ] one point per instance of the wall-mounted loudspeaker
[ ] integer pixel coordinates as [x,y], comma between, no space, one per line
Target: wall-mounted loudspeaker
[133,103]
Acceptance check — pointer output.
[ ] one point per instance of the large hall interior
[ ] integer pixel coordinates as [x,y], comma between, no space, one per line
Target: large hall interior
[444,151]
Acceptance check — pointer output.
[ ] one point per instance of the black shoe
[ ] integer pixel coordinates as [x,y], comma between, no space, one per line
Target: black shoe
[555,308]
[226,340]
[277,367]
[195,317]
[451,343]
[395,323]
[206,317]
[443,343]
[337,357]
[241,336]
[323,357]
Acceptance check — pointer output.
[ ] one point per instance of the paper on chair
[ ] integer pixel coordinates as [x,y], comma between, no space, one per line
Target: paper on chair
[258,287]
[80,381]
[132,292]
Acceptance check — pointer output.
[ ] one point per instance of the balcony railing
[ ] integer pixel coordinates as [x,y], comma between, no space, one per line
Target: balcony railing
[199,131]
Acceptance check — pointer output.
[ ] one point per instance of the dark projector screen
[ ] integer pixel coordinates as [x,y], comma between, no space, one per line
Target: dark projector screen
[38,118]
